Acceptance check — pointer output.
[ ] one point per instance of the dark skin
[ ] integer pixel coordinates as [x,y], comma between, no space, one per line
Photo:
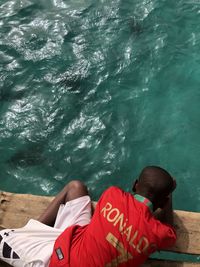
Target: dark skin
[165,214]
[75,189]
[163,210]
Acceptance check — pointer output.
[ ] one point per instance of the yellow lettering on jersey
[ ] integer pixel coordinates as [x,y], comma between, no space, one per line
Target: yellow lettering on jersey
[113,214]
[127,232]
[117,218]
[107,208]
[120,221]
[142,245]
[131,243]
[125,255]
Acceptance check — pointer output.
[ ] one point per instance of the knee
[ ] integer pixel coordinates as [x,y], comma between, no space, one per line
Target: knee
[75,189]
[76,185]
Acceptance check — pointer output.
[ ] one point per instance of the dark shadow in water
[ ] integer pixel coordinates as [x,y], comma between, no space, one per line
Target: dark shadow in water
[29,11]
[8,95]
[135,26]
[70,35]
[71,82]
[30,156]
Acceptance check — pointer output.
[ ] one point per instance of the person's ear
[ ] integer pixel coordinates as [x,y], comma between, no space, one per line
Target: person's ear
[134,188]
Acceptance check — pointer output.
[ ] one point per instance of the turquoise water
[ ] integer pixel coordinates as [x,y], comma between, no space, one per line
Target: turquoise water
[96,90]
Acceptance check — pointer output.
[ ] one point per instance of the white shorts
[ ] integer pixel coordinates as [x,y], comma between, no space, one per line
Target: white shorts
[32,245]
[77,211]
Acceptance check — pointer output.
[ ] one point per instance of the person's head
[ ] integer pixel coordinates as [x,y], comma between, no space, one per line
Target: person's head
[155,184]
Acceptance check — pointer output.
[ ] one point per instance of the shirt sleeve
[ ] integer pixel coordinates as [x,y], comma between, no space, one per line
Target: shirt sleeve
[166,235]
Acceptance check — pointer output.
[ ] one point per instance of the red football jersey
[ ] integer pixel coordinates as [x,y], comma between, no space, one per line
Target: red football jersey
[122,232]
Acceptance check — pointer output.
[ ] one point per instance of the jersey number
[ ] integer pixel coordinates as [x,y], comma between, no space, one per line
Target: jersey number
[124,254]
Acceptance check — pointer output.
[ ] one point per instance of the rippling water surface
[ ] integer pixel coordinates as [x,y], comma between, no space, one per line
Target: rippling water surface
[96,90]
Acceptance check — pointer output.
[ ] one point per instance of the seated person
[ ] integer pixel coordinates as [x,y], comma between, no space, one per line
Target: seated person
[123,231]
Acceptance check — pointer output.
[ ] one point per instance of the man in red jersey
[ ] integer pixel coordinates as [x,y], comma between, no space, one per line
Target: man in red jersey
[123,230]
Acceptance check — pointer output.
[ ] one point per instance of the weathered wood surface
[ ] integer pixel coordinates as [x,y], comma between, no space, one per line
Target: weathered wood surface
[160,263]
[17,209]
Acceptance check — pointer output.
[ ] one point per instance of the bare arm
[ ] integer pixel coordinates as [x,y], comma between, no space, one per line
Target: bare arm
[165,215]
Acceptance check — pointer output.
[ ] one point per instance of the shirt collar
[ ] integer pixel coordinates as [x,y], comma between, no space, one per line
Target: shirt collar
[144,200]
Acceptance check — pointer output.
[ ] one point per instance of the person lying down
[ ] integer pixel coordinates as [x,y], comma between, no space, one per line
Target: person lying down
[125,229]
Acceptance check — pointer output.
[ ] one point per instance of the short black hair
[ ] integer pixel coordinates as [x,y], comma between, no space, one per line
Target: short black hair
[155,182]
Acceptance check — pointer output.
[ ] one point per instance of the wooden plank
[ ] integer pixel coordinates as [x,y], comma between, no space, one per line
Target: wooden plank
[187,226]
[160,263]
[17,209]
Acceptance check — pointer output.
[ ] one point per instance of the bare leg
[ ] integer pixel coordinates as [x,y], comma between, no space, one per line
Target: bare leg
[72,190]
